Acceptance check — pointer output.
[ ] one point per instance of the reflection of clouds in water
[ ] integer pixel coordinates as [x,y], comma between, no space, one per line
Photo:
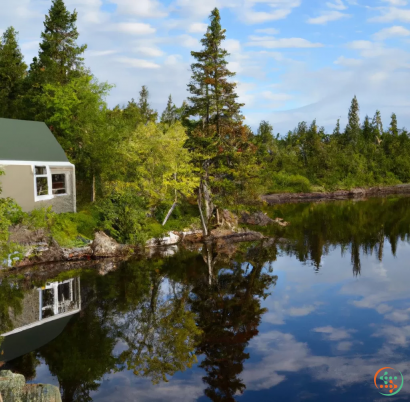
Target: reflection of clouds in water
[283,353]
[125,387]
[396,336]
[334,334]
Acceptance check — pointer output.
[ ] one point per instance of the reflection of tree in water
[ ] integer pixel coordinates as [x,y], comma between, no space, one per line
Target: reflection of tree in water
[357,226]
[229,313]
[11,298]
[25,365]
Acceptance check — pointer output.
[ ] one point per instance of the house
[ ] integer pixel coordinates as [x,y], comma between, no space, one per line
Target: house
[37,171]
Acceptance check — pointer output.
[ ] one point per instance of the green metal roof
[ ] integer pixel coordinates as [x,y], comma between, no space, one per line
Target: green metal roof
[22,140]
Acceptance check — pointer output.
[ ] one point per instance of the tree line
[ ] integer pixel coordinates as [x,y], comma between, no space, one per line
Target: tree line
[199,153]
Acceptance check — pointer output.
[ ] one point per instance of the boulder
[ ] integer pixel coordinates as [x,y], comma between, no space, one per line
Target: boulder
[105,246]
[260,219]
[26,237]
[257,218]
[169,240]
[228,220]
[13,388]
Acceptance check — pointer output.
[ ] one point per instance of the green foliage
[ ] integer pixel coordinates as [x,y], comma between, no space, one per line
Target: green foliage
[285,183]
[12,72]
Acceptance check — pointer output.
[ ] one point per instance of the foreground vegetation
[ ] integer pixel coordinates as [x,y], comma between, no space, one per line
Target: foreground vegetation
[140,173]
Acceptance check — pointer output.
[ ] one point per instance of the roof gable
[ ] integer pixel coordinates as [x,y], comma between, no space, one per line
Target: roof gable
[22,140]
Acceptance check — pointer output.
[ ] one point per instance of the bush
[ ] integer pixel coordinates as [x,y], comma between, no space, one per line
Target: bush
[282,182]
[11,210]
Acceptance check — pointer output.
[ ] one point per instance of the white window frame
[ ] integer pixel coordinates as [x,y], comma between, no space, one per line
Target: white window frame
[65,182]
[44,197]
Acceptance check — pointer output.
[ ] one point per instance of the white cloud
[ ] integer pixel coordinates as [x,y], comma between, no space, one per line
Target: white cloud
[98,53]
[269,31]
[396,2]
[305,310]
[393,14]
[135,28]
[137,63]
[361,44]
[392,32]
[281,43]
[343,61]
[188,41]
[337,5]
[148,51]
[140,8]
[326,17]
[198,27]
[334,334]
[344,346]
[280,10]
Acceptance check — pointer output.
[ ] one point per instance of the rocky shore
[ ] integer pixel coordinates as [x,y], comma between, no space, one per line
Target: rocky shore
[41,249]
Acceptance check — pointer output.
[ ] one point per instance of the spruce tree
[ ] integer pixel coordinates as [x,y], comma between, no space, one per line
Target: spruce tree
[217,134]
[147,113]
[367,130]
[12,72]
[169,115]
[336,131]
[378,126]
[393,125]
[59,56]
[352,131]
[213,98]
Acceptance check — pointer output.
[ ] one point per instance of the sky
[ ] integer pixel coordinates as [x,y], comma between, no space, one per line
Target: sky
[296,60]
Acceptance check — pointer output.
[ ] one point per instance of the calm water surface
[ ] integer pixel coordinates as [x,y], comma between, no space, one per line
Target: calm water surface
[310,316]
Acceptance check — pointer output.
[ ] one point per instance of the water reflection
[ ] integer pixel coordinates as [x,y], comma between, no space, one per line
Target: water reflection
[233,321]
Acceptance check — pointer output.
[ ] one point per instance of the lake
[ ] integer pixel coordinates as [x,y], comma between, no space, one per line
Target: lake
[312,314]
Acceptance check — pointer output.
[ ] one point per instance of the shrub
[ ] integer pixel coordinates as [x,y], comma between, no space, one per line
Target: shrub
[282,182]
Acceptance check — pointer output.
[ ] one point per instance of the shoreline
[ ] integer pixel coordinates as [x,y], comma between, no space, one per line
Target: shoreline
[356,193]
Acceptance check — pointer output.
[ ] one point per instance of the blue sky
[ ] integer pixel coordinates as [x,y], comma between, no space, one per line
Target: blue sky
[295,59]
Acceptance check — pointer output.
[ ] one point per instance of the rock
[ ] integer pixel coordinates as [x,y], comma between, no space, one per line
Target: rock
[13,388]
[257,218]
[260,219]
[171,239]
[105,246]
[243,236]
[77,253]
[228,220]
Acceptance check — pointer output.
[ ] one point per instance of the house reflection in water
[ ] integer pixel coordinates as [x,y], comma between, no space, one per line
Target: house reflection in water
[59,298]
[45,313]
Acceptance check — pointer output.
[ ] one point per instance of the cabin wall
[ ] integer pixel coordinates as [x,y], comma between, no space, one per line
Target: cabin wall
[18,183]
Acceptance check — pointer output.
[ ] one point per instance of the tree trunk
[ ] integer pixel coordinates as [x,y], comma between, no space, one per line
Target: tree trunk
[169,213]
[204,225]
[93,190]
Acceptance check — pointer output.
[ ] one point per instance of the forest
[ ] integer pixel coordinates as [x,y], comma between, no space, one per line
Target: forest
[141,172]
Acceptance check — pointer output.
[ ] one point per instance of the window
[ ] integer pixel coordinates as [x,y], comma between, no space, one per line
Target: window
[41,180]
[58,183]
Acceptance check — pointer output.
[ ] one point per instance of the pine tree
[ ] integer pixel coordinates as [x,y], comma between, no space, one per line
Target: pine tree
[352,131]
[378,126]
[59,56]
[169,115]
[12,72]
[367,130]
[213,98]
[393,125]
[217,135]
[336,131]
[147,113]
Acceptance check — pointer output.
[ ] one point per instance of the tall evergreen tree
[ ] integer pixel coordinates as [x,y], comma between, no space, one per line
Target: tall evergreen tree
[147,113]
[169,115]
[378,126]
[352,131]
[217,134]
[336,131]
[393,126]
[59,56]
[12,72]
[213,98]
